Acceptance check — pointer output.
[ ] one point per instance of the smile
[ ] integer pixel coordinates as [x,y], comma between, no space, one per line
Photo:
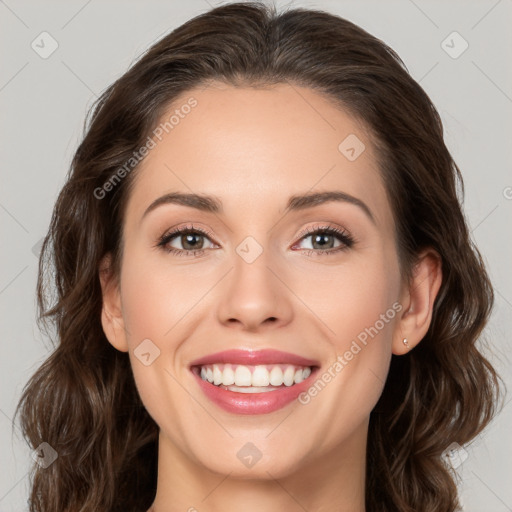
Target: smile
[253,379]
[242,381]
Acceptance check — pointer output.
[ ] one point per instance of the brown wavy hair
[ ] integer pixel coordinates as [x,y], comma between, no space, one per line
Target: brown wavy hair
[83,400]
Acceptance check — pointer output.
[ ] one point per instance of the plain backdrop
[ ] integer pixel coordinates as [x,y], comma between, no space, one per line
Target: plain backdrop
[43,105]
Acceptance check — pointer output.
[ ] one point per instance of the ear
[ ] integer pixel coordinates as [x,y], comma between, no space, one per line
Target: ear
[111,311]
[417,299]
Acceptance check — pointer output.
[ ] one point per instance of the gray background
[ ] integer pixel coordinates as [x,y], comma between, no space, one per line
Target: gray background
[44,101]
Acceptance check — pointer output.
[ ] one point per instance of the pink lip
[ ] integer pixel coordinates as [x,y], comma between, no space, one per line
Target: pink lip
[253,403]
[254,357]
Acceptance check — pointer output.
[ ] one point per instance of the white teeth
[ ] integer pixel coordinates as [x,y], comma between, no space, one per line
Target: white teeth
[242,376]
[260,376]
[228,375]
[250,389]
[276,376]
[217,374]
[254,379]
[288,376]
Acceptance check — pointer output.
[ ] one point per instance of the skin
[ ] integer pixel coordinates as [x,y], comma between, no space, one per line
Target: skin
[252,149]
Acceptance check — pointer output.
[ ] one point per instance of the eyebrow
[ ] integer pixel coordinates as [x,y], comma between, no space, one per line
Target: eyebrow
[211,204]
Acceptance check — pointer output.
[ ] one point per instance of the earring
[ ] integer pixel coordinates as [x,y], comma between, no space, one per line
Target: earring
[406,343]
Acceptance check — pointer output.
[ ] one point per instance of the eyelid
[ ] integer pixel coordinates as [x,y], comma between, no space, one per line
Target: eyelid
[179,229]
[322,227]
[339,232]
[343,235]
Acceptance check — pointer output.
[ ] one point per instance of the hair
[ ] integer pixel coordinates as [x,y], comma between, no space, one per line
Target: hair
[83,400]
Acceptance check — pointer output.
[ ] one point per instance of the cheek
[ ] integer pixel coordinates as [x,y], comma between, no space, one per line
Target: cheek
[158,310]
[358,305]
[353,297]
[360,308]
[153,302]
[155,297]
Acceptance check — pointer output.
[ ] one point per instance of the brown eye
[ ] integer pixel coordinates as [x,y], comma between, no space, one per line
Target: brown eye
[190,239]
[326,240]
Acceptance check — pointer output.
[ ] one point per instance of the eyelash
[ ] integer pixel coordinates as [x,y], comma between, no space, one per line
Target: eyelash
[342,235]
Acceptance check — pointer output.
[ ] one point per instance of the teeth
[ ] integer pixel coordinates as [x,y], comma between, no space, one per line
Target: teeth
[250,389]
[242,376]
[228,375]
[299,376]
[217,375]
[289,375]
[276,376]
[260,376]
[254,379]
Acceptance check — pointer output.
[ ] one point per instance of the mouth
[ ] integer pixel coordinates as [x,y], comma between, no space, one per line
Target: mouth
[252,379]
[249,382]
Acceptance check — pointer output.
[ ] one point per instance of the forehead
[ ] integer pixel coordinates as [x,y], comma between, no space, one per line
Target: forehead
[253,148]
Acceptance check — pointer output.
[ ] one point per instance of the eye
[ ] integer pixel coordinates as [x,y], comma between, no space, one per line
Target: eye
[323,240]
[190,238]
[192,241]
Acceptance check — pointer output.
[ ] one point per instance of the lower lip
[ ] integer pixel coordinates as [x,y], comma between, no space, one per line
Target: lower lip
[253,403]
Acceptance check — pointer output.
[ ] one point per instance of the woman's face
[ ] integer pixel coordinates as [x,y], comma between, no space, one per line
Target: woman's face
[259,281]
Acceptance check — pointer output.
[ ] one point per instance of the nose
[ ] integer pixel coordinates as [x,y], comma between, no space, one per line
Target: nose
[255,296]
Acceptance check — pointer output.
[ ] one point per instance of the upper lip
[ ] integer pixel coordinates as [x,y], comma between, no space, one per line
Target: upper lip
[254,357]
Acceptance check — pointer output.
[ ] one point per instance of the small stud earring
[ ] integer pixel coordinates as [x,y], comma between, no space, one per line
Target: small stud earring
[406,343]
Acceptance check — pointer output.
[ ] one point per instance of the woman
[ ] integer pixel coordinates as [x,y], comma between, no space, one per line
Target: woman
[267,295]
